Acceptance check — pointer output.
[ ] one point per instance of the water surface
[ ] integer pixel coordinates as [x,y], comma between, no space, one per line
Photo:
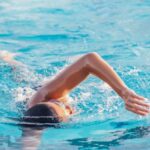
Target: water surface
[50,35]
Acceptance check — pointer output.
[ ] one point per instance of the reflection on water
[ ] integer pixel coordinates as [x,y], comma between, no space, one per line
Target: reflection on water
[32,138]
[120,139]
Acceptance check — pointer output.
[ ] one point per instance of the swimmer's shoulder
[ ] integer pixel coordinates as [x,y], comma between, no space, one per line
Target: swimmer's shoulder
[64,99]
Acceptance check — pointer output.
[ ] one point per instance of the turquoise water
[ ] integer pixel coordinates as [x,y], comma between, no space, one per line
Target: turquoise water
[49,35]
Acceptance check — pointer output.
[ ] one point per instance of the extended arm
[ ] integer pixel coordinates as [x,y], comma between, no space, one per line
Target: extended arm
[9,58]
[91,63]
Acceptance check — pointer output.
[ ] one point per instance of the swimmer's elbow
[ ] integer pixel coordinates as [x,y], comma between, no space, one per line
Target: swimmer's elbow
[90,58]
[92,55]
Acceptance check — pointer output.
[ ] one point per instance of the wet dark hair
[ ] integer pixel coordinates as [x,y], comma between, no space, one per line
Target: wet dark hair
[40,115]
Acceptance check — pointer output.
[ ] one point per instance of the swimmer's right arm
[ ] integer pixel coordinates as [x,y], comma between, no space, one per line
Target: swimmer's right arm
[9,58]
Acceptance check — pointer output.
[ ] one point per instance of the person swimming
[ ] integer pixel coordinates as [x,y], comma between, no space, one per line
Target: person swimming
[48,106]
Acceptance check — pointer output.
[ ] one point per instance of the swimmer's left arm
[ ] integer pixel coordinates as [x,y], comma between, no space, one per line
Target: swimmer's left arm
[88,64]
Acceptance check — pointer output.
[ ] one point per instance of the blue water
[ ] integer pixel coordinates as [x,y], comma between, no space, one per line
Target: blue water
[49,35]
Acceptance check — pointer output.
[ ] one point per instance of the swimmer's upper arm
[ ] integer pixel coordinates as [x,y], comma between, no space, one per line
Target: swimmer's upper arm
[68,79]
[65,81]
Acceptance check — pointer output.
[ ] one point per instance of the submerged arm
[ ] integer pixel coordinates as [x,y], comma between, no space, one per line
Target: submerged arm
[91,63]
[9,58]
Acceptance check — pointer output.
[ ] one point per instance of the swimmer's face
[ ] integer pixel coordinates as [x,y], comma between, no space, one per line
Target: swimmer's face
[58,110]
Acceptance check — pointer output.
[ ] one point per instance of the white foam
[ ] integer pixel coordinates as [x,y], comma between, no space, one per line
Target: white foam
[105,87]
[133,72]
[22,94]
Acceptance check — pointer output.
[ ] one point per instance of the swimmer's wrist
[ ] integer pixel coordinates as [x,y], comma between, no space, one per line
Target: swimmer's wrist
[124,92]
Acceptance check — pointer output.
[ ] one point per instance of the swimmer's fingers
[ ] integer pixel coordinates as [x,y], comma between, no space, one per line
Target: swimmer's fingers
[138,102]
[135,111]
[135,102]
[138,96]
[138,107]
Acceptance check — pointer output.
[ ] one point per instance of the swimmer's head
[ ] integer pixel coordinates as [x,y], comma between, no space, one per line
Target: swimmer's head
[41,115]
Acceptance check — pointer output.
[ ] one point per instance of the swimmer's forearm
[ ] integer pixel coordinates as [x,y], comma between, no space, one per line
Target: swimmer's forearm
[14,63]
[99,67]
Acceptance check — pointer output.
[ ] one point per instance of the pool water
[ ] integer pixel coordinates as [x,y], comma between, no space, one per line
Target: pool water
[49,35]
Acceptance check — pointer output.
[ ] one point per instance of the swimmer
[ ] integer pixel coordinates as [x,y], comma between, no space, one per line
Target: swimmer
[49,105]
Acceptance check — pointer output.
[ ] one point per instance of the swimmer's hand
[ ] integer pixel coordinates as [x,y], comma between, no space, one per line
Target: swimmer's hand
[5,55]
[135,103]
[8,57]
